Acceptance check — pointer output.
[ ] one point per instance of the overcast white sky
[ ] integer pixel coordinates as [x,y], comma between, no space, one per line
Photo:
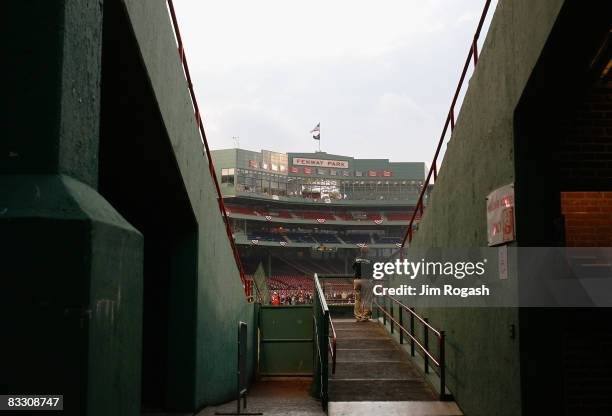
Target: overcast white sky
[378,75]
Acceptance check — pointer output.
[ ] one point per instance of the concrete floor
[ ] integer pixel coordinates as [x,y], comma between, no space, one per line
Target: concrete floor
[276,398]
[428,408]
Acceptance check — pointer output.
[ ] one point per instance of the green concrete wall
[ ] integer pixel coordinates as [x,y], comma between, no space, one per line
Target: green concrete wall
[483,360]
[221,302]
[71,289]
[71,285]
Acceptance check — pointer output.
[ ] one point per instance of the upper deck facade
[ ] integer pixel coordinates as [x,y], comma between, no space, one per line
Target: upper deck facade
[317,178]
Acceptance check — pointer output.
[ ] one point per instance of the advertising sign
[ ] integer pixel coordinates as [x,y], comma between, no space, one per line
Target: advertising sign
[500,215]
[340,164]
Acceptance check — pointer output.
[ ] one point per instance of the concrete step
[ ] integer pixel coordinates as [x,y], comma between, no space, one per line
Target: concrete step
[369,355]
[379,390]
[360,332]
[414,408]
[351,323]
[395,370]
[360,343]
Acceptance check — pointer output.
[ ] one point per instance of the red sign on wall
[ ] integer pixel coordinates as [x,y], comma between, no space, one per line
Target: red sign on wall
[294,169]
[500,215]
[253,164]
[371,173]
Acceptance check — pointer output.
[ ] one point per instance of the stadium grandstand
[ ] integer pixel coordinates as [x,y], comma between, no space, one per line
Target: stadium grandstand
[298,214]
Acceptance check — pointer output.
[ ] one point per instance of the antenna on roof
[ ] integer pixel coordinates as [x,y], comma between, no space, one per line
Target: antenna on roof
[236,140]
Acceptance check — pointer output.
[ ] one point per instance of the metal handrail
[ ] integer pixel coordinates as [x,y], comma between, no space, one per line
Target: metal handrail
[333,337]
[332,345]
[320,319]
[319,289]
[416,315]
[450,121]
[439,361]
[325,343]
[198,117]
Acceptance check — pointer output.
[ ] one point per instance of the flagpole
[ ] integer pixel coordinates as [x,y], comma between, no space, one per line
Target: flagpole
[317,135]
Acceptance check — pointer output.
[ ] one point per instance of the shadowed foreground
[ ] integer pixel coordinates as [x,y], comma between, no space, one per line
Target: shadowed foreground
[276,398]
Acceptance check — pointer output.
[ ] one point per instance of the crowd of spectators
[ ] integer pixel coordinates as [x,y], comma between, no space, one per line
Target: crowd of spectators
[304,297]
[291,297]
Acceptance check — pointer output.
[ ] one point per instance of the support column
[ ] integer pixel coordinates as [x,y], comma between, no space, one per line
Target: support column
[71,291]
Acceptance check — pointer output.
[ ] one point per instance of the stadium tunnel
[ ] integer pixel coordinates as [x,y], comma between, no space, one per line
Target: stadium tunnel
[563,139]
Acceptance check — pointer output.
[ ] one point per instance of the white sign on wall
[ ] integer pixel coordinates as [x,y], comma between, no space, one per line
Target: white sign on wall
[500,215]
[502,264]
[303,161]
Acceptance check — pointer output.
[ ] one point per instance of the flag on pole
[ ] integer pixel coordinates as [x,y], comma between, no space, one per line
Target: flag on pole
[317,132]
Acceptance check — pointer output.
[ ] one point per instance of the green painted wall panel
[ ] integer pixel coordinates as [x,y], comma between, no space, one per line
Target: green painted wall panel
[220,298]
[483,361]
[286,340]
[286,359]
[284,322]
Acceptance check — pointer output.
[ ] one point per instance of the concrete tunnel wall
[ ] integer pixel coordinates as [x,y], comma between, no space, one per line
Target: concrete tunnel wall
[483,362]
[220,297]
[71,289]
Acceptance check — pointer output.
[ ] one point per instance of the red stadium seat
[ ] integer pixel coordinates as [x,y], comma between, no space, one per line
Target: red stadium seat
[241,210]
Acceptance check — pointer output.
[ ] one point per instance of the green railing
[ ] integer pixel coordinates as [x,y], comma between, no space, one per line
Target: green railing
[324,344]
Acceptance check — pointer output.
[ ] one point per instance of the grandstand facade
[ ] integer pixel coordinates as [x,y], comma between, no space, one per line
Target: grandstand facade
[301,213]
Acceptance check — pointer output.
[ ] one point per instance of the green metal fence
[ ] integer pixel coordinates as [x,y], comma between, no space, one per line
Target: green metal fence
[286,340]
[321,319]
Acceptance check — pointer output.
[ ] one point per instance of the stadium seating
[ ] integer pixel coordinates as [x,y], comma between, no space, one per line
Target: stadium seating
[329,216]
[399,216]
[387,240]
[369,216]
[241,210]
[264,236]
[345,216]
[326,238]
[283,214]
[318,215]
[356,238]
[301,237]
[373,216]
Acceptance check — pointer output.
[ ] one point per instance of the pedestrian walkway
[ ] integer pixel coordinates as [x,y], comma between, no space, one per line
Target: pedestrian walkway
[374,375]
[281,397]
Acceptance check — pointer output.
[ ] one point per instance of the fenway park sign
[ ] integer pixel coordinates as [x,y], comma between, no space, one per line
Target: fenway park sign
[302,161]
